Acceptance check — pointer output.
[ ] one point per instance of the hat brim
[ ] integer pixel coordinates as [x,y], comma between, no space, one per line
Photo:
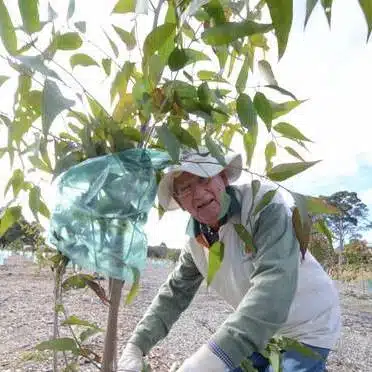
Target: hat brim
[202,166]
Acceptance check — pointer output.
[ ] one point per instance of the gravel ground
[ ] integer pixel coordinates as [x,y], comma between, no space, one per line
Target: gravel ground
[26,318]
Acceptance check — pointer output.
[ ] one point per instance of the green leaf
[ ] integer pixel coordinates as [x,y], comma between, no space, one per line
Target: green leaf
[215,258]
[77,281]
[265,200]
[74,320]
[125,6]
[222,53]
[106,64]
[82,60]
[89,332]
[282,91]
[366,6]
[241,81]
[30,15]
[230,31]
[195,56]
[275,359]
[184,137]
[283,171]
[135,286]
[292,344]
[177,59]
[301,204]
[290,131]
[7,32]
[320,206]
[39,164]
[113,45]
[120,82]
[246,237]
[225,204]
[156,39]
[156,68]
[59,344]
[327,7]
[322,227]
[16,181]
[270,152]
[310,5]
[302,231]
[249,141]
[9,218]
[81,26]
[281,12]
[68,41]
[263,109]
[211,76]
[37,63]
[215,150]
[71,9]
[246,112]
[34,200]
[53,104]
[294,153]
[3,79]
[170,142]
[280,109]
[127,37]
[267,72]
[255,185]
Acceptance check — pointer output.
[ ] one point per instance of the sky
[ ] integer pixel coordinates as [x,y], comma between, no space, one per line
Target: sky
[329,68]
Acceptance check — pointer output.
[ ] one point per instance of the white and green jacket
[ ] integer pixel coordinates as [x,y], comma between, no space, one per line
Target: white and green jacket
[273,291]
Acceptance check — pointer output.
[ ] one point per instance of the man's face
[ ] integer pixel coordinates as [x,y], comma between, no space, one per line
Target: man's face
[201,197]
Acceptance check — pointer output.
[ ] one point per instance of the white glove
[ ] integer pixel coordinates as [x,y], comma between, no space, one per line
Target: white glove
[203,360]
[131,359]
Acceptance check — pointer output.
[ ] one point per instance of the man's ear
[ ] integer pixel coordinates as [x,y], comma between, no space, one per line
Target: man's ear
[224,177]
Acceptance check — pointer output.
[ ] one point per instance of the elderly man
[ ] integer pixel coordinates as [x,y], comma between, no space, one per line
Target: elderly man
[274,291]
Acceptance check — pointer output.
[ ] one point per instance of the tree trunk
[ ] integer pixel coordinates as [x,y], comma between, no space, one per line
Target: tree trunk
[110,346]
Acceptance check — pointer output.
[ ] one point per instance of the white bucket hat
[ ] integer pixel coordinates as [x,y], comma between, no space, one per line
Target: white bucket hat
[201,164]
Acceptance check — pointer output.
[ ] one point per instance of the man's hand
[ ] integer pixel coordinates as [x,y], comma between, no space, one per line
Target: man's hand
[203,360]
[131,359]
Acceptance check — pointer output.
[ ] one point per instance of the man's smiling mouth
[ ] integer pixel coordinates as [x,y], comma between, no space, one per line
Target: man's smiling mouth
[205,204]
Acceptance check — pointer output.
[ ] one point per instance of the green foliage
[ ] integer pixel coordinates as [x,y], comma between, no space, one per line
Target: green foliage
[215,258]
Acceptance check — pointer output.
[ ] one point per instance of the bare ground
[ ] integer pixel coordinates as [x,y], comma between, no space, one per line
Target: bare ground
[26,318]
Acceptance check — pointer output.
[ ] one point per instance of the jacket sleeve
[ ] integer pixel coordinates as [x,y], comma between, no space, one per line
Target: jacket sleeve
[173,297]
[266,305]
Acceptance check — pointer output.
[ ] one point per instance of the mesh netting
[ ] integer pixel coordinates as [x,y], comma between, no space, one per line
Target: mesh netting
[100,210]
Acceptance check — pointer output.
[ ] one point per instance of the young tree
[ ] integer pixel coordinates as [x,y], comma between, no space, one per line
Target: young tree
[177,80]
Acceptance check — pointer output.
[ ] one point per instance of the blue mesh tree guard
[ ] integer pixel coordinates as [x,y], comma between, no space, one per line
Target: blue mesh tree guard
[101,207]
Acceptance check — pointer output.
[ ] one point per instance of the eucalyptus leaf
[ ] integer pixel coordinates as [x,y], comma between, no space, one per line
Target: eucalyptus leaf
[81,26]
[113,45]
[230,31]
[246,112]
[53,103]
[249,142]
[170,142]
[225,204]
[7,31]
[263,109]
[71,9]
[283,171]
[59,344]
[366,6]
[283,108]
[82,59]
[290,131]
[68,41]
[294,153]
[282,91]
[106,64]
[320,206]
[246,237]
[30,15]
[327,7]
[127,37]
[37,63]
[215,258]
[265,200]
[267,72]
[135,286]
[270,152]
[310,5]
[125,6]
[8,218]
[215,150]
[74,320]
[281,12]
[177,59]
[211,76]
[241,81]
[322,228]
[3,79]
